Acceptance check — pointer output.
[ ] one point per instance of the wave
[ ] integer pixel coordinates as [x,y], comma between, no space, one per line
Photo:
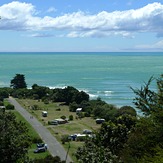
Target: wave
[93,96]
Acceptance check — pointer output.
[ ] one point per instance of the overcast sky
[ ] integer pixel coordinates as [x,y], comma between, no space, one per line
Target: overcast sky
[81,25]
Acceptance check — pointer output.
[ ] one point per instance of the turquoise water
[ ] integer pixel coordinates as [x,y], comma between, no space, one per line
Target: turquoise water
[105,75]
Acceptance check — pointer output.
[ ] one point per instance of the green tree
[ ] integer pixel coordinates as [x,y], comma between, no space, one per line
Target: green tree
[40,91]
[126,110]
[145,142]
[18,82]
[13,137]
[49,159]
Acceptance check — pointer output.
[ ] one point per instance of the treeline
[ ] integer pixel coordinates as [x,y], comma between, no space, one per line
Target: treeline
[67,96]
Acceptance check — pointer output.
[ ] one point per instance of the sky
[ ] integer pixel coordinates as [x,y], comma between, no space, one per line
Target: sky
[81,26]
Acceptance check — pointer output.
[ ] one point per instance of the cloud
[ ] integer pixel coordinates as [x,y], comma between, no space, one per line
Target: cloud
[41,35]
[51,9]
[23,16]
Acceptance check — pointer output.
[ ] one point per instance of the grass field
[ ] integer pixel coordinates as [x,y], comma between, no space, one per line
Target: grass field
[75,126]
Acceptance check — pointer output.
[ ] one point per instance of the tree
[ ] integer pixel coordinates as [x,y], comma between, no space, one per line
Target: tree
[40,91]
[3,94]
[14,138]
[18,82]
[49,159]
[126,110]
[145,142]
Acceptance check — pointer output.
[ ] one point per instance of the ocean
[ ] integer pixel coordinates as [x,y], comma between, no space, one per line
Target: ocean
[105,75]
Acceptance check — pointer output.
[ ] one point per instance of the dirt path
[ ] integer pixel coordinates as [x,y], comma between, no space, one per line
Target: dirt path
[54,146]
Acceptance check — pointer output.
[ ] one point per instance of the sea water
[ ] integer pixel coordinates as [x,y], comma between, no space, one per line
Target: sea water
[105,75]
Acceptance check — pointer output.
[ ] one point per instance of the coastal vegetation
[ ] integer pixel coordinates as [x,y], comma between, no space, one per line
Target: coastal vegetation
[123,137]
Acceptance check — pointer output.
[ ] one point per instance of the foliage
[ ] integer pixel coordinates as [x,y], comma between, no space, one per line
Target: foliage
[108,142]
[146,140]
[92,153]
[73,106]
[126,110]
[64,138]
[71,118]
[107,112]
[10,107]
[14,138]
[146,100]
[49,159]
[128,138]
[18,82]
[3,93]
[40,91]
[63,117]
[69,95]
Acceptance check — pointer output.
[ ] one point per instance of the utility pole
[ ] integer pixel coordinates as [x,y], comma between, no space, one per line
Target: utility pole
[67,151]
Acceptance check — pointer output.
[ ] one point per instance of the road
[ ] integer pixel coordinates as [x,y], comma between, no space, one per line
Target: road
[54,146]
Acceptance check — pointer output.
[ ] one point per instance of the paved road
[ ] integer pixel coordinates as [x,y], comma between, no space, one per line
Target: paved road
[54,146]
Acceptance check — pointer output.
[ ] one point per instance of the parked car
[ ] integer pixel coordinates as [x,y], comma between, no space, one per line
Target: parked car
[54,122]
[40,150]
[42,145]
[86,131]
[100,121]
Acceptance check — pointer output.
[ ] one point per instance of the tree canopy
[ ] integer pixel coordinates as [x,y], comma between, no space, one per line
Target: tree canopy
[18,82]
[13,137]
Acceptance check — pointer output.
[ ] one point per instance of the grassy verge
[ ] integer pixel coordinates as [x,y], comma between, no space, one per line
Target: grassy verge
[32,133]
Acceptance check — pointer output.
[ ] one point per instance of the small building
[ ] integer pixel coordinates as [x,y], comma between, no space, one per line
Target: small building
[44,113]
[78,110]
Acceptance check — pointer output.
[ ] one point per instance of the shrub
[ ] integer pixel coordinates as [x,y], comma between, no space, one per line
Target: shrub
[87,114]
[36,140]
[58,109]
[35,96]
[81,138]
[10,107]
[1,103]
[64,139]
[81,115]
[71,118]
[63,117]
[46,101]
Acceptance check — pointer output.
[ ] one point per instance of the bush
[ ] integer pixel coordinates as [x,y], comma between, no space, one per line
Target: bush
[87,114]
[1,103]
[64,139]
[71,118]
[58,109]
[49,159]
[35,96]
[10,107]
[46,101]
[36,140]
[63,117]
[81,138]
[81,115]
